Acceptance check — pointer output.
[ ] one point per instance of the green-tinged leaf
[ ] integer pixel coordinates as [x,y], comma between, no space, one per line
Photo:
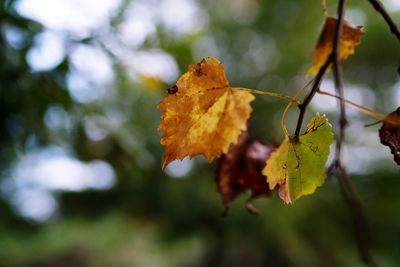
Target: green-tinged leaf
[298,167]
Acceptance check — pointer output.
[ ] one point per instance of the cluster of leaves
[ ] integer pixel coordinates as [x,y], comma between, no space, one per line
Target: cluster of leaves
[203,114]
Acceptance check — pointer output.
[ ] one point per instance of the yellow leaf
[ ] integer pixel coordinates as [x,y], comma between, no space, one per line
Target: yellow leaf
[351,36]
[202,114]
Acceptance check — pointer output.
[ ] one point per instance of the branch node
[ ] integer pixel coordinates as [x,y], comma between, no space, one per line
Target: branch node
[344,122]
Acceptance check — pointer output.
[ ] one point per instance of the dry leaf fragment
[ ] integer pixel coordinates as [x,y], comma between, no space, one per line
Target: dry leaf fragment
[351,36]
[389,133]
[240,170]
[201,114]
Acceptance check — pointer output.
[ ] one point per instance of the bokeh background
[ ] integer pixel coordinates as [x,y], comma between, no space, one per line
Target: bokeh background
[80,176]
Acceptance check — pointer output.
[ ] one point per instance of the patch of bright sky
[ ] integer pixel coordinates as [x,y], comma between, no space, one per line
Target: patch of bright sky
[78,17]
[37,175]
[36,205]
[48,51]
[392,5]
[179,168]
[355,16]
[364,151]
[92,63]
[57,119]
[90,75]
[358,94]
[182,16]
[136,28]
[396,94]
[15,37]
[325,103]
[74,17]
[153,63]
[178,17]
[93,128]
[83,90]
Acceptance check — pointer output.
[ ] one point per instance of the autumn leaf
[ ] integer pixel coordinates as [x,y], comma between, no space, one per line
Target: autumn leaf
[351,36]
[298,166]
[389,133]
[240,170]
[202,114]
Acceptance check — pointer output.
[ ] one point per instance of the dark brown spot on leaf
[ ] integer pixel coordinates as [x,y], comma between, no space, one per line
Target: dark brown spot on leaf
[173,90]
[197,70]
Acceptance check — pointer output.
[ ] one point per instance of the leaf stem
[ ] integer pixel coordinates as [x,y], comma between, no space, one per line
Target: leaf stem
[283,119]
[368,111]
[324,9]
[260,92]
[299,93]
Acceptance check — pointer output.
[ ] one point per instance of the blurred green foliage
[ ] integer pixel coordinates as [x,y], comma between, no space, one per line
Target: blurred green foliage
[150,219]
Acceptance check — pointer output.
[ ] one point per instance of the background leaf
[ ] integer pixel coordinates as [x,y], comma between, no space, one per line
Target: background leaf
[240,169]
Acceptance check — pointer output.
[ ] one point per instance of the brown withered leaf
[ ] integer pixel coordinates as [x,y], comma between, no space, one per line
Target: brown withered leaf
[202,114]
[240,170]
[389,133]
[351,36]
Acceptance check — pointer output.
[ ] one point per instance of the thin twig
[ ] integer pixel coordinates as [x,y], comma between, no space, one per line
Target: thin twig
[354,203]
[338,79]
[368,111]
[358,215]
[381,10]
[299,93]
[395,30]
